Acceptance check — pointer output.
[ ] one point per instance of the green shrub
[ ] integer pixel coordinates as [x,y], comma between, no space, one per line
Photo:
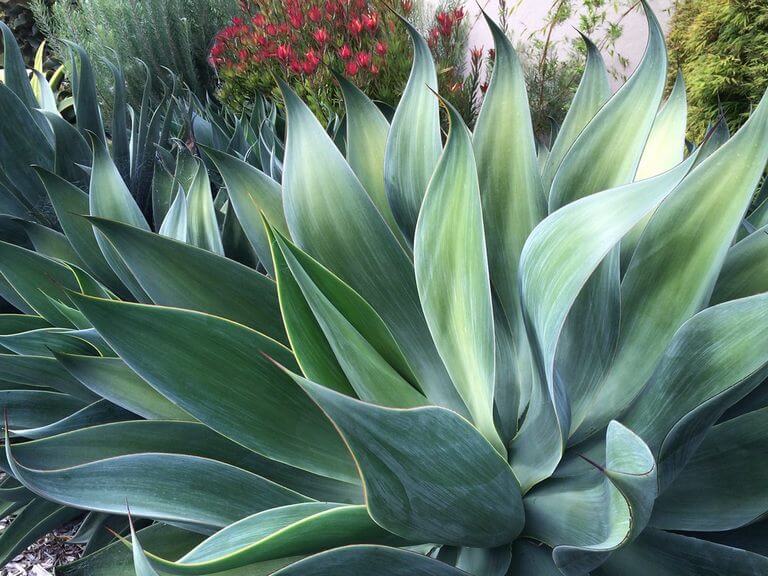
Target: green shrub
[173,34]
[722,48]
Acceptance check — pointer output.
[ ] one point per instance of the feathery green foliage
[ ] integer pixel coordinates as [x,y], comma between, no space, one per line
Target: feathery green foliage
[173,35]
[722,48]
[292,350]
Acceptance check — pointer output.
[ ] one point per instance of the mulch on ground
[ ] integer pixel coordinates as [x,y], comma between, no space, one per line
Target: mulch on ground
[41,557]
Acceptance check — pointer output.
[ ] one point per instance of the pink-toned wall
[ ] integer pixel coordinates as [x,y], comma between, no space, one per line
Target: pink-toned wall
[530,15]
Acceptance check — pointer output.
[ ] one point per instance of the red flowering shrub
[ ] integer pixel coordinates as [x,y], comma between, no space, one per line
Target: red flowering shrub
[303,42]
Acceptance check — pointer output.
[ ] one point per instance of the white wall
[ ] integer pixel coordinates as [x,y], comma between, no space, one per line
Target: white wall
[530,16]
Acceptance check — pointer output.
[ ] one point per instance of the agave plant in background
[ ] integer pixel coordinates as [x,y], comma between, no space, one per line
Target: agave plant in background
[46,173]
[47,85]
[436,358]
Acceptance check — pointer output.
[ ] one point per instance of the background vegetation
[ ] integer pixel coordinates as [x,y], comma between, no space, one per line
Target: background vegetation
[553,54]
[172,34]
[722,48]
[18,15]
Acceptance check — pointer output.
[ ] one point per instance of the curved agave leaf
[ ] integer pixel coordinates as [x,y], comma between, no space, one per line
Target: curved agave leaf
[367,134]
[14,496]
[252,193]
[663,151]
[43,371]
[703,498]
[38,67]
[35,408]
[349,560]
[370,560]
[607,152]
[175,224]
[188,438]
[716,136]
[711,362]
[413,145]
[666,142]
[605,155]
[100,412]
[15,323]
[307,340]
[202,226]
[605,510]
[88,285]
[289,532]
[96,530]
[69,202]
[513,203]
[362,346]
[751,537]
[50,243]
[109,197]
[91,524]
[33,277]
[219,375]
[744,272]
[21,149]
[343,230]
[86,101]
[453,280]
[584,331]
[174,487]
[664,554]
[429,476]
[557,260]
[46,98]
[674,269]
[164,185]
[488,561]
[111,379]
[759,216]
[15,74]
[532,558]
[13,298]
[144,567]
[10,204]
[121,149]
[43,341]
[593,92]
[73,315]
[236,244]
[140,561]
[72,153]
[172,273]
[117,560]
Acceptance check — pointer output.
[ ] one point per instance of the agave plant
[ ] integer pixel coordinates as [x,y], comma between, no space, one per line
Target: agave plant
[36,139]
[404,354]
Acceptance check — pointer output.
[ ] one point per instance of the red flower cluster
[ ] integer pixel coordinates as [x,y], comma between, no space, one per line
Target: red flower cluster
[446,25]
[298,37]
